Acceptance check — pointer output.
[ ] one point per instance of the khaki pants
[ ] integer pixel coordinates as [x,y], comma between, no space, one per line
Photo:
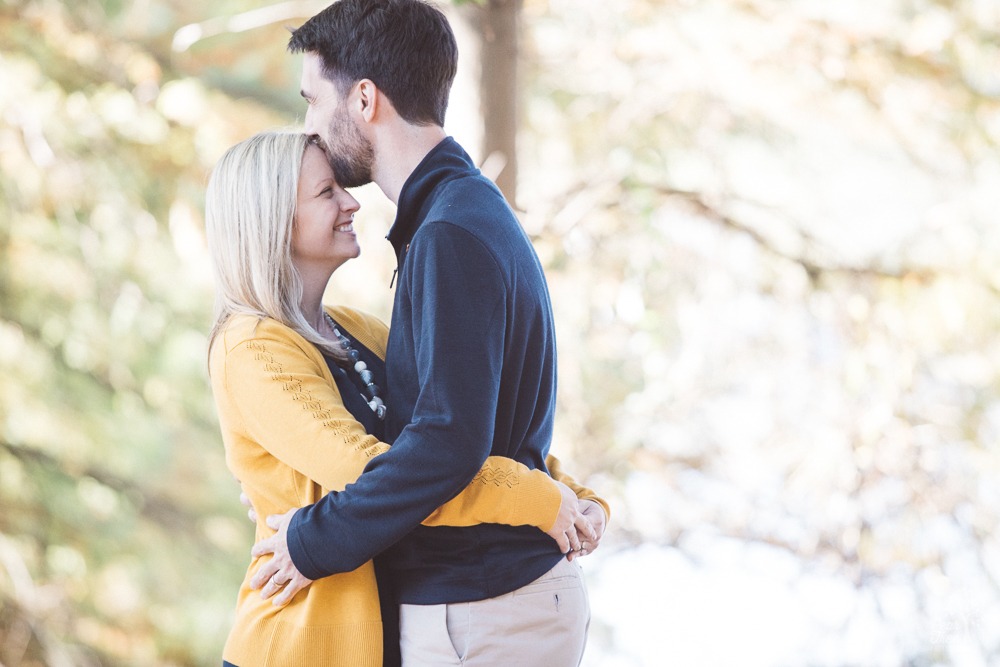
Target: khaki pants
[543,623]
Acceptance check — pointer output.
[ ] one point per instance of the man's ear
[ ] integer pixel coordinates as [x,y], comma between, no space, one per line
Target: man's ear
[368,99]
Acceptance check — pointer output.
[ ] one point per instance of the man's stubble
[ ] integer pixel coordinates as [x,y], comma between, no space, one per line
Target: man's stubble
[350,153]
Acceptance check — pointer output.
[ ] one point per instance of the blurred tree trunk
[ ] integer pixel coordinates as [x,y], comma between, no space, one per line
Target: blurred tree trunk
[496,24]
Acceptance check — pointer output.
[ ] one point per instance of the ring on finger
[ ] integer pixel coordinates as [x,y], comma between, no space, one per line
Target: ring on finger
[276,583]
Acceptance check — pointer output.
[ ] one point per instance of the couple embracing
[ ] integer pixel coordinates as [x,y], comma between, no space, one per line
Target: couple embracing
[413,513]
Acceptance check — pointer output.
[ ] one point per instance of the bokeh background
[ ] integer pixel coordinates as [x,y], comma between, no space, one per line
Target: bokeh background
[769,228]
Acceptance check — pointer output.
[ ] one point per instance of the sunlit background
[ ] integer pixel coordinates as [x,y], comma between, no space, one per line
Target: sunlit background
[769,228]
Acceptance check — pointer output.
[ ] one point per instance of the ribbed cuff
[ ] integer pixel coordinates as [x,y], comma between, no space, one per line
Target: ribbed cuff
[537,501]
[297,549]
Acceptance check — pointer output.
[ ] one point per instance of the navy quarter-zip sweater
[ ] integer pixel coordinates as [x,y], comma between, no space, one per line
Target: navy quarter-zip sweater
[471,371]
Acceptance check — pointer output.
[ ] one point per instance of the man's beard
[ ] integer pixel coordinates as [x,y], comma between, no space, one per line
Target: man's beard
[350,153]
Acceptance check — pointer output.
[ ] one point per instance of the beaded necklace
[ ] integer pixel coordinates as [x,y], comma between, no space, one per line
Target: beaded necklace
[375,403]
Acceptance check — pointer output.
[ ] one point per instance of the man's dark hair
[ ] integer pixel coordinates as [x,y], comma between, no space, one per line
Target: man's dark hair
[406,47]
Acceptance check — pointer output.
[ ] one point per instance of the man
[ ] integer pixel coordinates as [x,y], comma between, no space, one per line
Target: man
[471,363]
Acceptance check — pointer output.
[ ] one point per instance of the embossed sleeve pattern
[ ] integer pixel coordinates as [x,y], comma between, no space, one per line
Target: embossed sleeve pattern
[503,491]
[295,413]
[508,492]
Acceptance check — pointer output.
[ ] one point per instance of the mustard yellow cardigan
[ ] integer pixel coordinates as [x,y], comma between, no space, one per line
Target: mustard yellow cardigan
[290,440]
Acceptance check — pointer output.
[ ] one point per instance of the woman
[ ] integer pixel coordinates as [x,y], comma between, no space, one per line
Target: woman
[297,391]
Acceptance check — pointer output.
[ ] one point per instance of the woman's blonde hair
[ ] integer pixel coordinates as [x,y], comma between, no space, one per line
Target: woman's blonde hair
[249,216]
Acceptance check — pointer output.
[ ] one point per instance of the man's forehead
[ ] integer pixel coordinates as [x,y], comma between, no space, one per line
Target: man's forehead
[311,63]
[313,80]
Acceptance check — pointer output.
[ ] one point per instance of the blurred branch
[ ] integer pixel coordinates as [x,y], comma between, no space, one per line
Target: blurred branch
[102,380]
[25,639]
[815,269]
[931,66]
[19,632]
[24,634]
[157,508]
[189,35]
[924,64]
[574,205]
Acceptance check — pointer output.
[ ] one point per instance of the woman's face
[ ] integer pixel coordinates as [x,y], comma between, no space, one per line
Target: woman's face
[323,235]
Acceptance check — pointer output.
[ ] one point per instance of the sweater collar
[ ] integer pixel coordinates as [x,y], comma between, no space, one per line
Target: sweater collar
[444,162]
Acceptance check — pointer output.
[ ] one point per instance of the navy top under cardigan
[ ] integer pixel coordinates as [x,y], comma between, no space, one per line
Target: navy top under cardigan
[355,397]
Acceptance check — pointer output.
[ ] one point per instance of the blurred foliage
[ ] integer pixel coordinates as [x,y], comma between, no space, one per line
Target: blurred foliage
[120,538]
[769,229]
[772,235]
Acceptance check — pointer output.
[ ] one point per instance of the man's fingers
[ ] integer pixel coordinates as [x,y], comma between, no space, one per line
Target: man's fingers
[289,590]
[263,547]
[273,586]
[278,521]
[262,577]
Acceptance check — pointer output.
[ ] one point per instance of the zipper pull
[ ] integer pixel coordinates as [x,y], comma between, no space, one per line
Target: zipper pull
[405,250]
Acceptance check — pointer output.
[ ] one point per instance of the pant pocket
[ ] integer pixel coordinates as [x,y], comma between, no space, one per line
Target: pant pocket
[564,575]
[458,618]
[424,637]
